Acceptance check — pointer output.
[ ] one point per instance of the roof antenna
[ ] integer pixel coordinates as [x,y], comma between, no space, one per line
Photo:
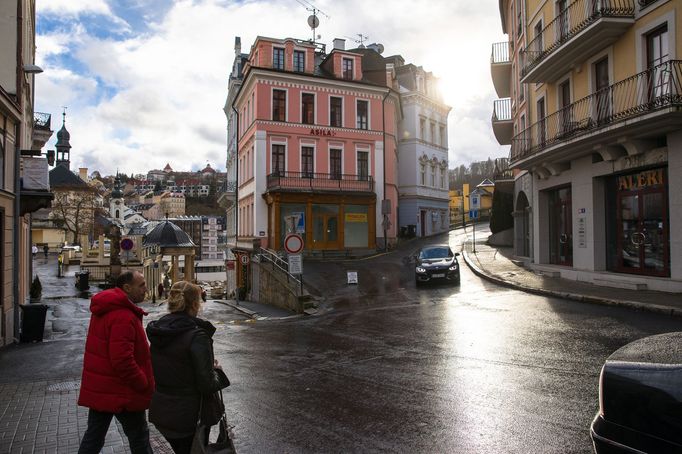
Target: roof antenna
[360,40]
[313,21]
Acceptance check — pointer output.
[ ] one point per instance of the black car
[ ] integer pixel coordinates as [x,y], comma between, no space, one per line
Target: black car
[640,398]
[436,263]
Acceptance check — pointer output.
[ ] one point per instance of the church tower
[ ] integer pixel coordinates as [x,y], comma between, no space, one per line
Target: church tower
[63,146]
[117,204]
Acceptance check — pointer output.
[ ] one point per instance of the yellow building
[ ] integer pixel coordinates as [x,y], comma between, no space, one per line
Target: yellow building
[459,201]
[590,95]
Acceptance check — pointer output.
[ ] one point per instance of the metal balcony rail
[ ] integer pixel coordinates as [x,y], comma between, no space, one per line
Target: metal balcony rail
[576,17]
[644,3]
[501,53]
[652,89]
[502,110]
[42,120]
[308,181]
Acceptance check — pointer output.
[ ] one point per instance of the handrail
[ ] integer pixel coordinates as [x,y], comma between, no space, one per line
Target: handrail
[652,89]
[577,16]
[278,262]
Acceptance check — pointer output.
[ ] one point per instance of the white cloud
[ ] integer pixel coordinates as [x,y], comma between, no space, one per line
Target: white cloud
[138,102]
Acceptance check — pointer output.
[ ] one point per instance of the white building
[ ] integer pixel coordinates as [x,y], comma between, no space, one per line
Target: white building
[423,152]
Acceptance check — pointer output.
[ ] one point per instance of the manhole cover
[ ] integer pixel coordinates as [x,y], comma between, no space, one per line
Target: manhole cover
[65,386]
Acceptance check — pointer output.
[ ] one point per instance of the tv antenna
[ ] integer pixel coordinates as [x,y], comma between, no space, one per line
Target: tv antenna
[313,20]
[360,40]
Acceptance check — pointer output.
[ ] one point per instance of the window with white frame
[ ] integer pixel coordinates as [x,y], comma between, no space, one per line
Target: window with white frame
[277,58]
[362,114]
[422,173]
[308,108]
[278,162]
[299,61]
[363,165]
[433,176]
[307,161]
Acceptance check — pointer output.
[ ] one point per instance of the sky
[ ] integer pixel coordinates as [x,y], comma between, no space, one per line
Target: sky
[144,82]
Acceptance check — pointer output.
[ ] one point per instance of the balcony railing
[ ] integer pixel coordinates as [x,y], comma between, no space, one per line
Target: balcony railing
[501,53]
[656,88]
[304,181]
[502,110]
[577,16]
[42,120]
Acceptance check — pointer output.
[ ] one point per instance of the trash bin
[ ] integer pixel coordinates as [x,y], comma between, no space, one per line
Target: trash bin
[83,282]
[33,322]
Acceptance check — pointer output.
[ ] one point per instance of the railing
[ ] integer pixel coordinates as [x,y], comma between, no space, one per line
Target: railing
[305,181]
[501,52]
[644,3]
[272,257]
[576,17]
[502,110]
[42,120]
[655,88]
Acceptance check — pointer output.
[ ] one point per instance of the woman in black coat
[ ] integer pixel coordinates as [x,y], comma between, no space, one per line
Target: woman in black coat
[184,368]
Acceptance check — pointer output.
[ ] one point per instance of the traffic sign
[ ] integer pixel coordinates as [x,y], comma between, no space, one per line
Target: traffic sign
[127,244]
[293,243]
[244,259]
[475,202]
[295,264]
[473,214]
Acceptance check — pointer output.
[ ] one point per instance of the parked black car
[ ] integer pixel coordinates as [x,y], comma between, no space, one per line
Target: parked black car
[436,263]
[640,398]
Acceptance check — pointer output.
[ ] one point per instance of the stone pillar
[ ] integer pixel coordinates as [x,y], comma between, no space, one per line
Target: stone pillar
[189,268]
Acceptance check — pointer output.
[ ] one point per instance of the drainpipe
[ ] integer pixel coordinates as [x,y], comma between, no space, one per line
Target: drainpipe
[383,130]
[17,188]
[236,202]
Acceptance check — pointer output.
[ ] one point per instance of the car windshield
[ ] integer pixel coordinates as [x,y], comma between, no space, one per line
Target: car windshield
[435,253]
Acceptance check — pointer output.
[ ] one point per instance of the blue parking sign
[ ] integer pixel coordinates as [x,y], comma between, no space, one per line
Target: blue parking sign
[473,214]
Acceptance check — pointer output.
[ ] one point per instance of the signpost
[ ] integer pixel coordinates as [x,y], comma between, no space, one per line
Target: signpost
[293,244]
[475,205]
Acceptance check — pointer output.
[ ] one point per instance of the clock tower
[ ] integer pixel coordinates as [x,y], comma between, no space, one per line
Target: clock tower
[116,204]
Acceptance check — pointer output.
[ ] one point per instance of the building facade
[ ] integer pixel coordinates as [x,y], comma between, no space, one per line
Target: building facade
[423,152]
[590,98]
[23,133]
[316,147]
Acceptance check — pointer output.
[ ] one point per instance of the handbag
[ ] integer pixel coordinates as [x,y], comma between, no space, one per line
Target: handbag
[201,443]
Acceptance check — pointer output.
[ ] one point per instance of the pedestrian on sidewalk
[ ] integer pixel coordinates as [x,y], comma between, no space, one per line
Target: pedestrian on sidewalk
[34,250]
[60,264]
[117,371]
[159,290]
[46,249]
[185,369]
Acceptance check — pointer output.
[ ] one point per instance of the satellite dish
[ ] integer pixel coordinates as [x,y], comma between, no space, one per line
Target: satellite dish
[380,48]
[313,21]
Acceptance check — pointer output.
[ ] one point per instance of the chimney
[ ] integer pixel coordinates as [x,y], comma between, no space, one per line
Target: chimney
[237,45]
[339,44]
[83,173]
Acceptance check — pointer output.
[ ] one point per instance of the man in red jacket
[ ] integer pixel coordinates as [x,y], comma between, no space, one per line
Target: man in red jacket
[117,370]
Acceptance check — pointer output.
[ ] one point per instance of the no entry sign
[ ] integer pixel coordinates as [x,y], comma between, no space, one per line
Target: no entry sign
[293,243]
[127,244]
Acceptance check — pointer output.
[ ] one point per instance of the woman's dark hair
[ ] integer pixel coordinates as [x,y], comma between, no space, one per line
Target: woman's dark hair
[124,278]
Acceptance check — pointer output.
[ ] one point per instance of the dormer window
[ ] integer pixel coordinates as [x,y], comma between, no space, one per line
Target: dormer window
[348,68]
[277,58]
[299,61]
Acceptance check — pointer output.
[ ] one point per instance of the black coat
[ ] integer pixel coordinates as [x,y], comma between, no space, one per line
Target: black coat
[182,359]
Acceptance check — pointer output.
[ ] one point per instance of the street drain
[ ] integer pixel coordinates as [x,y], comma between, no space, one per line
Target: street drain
[65,386]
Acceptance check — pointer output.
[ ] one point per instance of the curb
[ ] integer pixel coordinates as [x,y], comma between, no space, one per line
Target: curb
[634,305]
[236,307]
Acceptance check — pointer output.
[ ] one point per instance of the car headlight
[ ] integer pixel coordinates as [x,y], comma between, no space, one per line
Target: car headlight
[421,270]
[453,267]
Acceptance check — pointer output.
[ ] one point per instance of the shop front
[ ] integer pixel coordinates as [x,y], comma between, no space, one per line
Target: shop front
[638,233]
[327,222]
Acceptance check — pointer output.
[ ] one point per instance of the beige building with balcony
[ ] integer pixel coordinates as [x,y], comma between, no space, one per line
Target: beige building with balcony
[590,102]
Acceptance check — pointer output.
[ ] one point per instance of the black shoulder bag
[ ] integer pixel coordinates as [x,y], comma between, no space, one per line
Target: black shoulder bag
[202,444]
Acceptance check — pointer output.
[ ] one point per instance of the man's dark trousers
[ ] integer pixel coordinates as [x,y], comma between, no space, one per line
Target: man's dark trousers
[134,425]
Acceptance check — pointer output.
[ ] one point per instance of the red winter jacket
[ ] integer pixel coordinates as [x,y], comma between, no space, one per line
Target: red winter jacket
[117,367]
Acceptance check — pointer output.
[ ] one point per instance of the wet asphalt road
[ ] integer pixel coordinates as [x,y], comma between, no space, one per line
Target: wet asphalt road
[389,368]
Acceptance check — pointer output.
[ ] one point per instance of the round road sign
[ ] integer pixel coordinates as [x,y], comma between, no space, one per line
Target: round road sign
[244,259]
[127,244]
[293,243]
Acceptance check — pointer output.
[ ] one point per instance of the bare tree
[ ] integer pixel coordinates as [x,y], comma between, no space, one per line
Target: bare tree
[75,211]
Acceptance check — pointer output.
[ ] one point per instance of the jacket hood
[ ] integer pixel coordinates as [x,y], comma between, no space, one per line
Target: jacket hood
[163,331]
[113,299]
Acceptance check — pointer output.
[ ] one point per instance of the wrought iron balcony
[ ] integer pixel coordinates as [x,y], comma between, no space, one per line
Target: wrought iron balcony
[643,94]
[308,182]
[42,120]
[584,27]
[503,127]
[41,129]
[500,68]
